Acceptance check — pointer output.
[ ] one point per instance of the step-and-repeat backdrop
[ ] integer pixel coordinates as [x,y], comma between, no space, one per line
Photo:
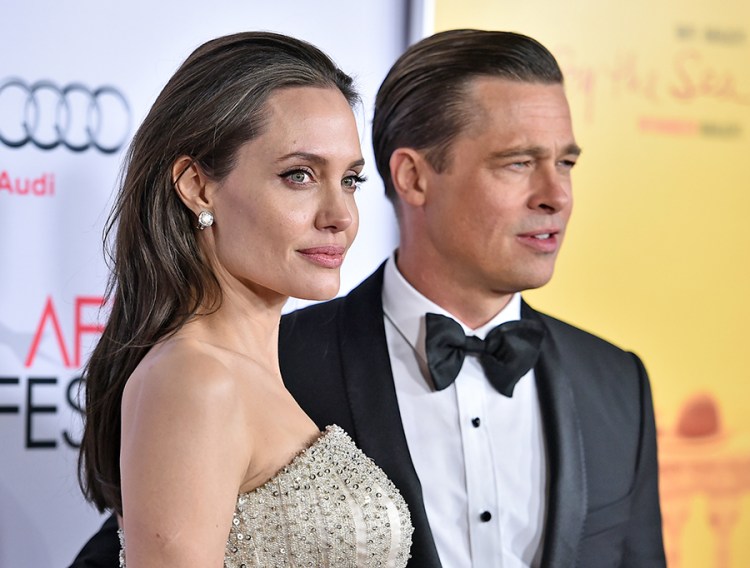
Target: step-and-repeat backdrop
[76,78]
[657,258]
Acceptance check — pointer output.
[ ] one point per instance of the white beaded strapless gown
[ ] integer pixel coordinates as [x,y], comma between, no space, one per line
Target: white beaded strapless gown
[331,507]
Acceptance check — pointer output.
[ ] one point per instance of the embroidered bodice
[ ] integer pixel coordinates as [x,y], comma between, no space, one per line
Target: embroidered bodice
[330,507]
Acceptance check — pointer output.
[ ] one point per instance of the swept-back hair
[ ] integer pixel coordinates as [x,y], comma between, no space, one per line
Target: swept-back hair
[213,104]
[424,102]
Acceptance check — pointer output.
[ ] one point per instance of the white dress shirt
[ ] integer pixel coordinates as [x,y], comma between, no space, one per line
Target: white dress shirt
[479,455]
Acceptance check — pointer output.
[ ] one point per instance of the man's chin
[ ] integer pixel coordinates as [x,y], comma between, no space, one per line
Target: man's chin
[531,282]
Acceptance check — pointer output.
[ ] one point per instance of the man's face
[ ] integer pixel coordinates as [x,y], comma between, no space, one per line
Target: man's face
[493,221]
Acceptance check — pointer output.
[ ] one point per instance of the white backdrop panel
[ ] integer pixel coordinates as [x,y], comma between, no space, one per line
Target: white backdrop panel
[53,204]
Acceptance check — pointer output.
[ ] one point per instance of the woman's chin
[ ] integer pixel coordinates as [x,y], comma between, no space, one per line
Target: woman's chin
[319,293]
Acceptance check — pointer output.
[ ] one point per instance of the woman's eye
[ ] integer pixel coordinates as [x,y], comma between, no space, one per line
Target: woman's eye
[353,182]
[297,177]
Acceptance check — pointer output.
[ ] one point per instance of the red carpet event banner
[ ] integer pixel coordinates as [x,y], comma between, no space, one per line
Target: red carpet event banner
[656,257]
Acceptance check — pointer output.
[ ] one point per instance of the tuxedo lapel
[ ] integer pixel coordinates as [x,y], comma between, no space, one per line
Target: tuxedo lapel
[379,433]
[567,497]
[372,395]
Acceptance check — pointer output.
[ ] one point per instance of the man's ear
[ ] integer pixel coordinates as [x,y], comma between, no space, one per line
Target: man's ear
[191,184]
[409,171]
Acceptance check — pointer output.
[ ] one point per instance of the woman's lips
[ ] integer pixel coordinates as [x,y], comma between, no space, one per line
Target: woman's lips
[326,256]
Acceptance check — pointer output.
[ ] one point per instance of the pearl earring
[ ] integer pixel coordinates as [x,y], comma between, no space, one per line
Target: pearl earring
[205,219]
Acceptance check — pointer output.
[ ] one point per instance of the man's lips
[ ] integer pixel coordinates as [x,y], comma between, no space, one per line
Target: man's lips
[544,240]
[328,256]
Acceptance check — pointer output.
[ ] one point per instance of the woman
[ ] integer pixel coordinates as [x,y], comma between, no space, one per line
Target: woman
[238,193]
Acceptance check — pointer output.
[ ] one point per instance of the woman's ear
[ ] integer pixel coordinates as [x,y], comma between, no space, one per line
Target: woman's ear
[408,174]
[191,184]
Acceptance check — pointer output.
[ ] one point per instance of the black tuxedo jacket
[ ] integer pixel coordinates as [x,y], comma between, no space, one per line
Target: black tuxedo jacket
[603,503]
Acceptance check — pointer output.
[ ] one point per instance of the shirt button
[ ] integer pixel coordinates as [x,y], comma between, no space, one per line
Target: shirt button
[485,516]
[475,422]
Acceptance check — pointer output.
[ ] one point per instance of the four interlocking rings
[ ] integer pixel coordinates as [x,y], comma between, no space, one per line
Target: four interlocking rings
[89,127]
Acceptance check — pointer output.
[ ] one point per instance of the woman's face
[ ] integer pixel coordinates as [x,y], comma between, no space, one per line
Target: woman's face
[286,215]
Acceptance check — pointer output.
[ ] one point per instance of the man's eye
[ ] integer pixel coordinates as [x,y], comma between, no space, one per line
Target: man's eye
[521,165]
[567,164]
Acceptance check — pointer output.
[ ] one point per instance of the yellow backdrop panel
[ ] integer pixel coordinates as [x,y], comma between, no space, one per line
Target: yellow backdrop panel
[657,257]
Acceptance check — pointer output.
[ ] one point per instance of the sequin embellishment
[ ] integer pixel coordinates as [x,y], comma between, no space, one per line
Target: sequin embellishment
[330,507]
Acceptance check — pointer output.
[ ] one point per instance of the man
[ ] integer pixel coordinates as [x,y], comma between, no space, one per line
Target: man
[544,455]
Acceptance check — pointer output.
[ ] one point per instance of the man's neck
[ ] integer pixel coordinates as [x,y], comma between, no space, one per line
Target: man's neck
[471,308]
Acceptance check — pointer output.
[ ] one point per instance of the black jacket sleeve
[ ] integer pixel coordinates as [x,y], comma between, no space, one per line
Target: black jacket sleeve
[102,550]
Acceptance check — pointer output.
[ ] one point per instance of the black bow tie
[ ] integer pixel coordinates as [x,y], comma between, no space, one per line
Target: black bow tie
[506,355]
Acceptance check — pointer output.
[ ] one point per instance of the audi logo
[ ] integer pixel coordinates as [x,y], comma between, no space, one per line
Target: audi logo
[74,116]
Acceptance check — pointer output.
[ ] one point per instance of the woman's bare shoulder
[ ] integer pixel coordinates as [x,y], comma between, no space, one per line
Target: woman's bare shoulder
[188,374]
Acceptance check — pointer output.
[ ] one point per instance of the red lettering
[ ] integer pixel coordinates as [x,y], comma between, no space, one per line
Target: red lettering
[695,78]
[5,182]
[629,76]
[39,185]
[581,77]
[686,89]
[43,185]
[48,314]
[82,328]
[669,126]
[22,190]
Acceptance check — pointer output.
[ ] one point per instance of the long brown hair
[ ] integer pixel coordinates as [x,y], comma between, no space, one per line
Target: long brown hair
[211,106]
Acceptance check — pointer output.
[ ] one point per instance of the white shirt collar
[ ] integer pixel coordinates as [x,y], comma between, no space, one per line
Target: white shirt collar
[405,308]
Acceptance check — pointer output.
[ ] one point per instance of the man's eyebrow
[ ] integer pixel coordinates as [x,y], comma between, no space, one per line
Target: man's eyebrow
[533,151]
[315,159]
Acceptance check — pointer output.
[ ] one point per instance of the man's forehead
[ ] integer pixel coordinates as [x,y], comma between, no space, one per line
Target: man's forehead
[479,89]
[496,102]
